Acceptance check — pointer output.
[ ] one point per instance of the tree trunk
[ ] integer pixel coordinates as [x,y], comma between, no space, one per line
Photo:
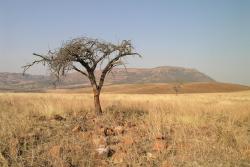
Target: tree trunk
[98,108]
[96,92]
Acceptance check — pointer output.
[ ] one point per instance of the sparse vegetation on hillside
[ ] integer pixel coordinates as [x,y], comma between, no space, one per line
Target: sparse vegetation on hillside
[135,130]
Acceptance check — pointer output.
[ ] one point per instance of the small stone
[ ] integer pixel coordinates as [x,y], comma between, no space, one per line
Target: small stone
[77,128]
[150,156]
[119,130]
[109,132]
[110,152]
[42,118]
[160,137]
[159,145]
[102,150]
[59,118]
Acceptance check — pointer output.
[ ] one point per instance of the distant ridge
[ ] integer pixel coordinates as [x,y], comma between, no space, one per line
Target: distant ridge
[163,74]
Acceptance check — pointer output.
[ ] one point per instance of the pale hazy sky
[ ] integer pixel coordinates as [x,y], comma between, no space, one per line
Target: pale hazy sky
[212,36]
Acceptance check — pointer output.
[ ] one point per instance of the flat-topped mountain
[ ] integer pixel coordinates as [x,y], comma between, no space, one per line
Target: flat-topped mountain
[165,74]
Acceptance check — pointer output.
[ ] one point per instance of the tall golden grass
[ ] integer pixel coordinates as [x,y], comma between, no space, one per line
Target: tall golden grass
[196,129]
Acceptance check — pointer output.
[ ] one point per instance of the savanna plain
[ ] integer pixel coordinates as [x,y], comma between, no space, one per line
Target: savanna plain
[166,130]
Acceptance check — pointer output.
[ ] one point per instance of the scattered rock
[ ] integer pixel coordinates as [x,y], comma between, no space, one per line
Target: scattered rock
[77,128]
[109,132]
[59,118]
[105,151]
[159,145]
[119,130]
[150,156]
[160,137]
[110,152]
[42,118]
[102,150]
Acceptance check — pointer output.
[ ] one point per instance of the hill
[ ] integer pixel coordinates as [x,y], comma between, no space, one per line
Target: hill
[165,74]
[18,81]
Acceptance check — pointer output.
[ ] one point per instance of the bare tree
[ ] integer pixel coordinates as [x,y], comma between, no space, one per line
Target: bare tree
[84,55]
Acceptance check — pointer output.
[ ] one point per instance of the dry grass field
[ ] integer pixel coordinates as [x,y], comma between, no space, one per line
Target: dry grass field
[53,129]
[160,88]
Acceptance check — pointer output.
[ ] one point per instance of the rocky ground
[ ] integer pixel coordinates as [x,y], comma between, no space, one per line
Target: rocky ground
[86,140]
[54,130]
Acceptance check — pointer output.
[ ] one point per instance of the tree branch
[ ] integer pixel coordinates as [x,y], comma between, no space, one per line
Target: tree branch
[89,53]
[112,63]
[80,71]
[43,60]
